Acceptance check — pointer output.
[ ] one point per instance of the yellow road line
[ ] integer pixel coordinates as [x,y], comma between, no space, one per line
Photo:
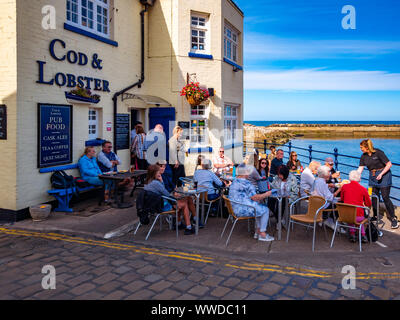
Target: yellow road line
[195,257]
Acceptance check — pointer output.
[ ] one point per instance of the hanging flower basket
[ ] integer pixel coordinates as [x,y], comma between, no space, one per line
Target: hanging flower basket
[194,94]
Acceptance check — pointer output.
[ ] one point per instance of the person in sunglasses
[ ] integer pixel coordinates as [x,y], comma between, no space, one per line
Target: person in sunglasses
[263,168]
[221,162]
[293,164]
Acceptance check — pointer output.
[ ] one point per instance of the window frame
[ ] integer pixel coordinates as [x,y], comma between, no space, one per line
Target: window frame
[199,28]
[198,117]
[230,135]
[96,3]
[233,43]
[93,122]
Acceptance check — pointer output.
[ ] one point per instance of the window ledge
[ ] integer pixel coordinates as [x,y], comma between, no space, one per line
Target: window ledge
[233,64]
[80,31]
[200,55]
[201,150]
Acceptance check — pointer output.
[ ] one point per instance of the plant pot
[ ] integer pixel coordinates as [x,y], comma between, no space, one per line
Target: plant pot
[40,212]
[192,101]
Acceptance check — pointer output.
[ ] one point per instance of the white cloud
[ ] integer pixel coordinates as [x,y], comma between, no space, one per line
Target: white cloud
[322,80]
[266,47]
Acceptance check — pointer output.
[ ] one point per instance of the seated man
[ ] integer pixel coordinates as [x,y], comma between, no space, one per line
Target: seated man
[207,180]
[221,162]
[321,189]
[308,177]
[107,159]
[276,163]
[354,193]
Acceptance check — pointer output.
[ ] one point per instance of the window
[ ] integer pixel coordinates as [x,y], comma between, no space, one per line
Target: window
[198,126]
[89,15]
[231,40]
[93,124]
[230,122]
[199,34]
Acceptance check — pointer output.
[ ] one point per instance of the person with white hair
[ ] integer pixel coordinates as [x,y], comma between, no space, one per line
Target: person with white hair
[321,189]
[243,192]
[307,178]
[206,179]
[354,193]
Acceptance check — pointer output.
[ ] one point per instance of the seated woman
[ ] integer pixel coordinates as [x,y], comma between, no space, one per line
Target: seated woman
[166,174]
[354,193]
[154,183]
[207,180]
[286,184]
[321,189]
[263,168]
[90,171]
[293,164]
[244,192]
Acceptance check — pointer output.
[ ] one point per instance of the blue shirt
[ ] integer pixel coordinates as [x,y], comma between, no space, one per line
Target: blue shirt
[205,180]
[104,161]
[88,167]
[275,164]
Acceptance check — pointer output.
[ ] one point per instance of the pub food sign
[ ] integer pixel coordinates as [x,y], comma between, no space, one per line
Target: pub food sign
[55,135]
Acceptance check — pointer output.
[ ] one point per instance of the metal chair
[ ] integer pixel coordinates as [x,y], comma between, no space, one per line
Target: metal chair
[348,215]
[163,214]
[236,219]
[209,203]
[310,219]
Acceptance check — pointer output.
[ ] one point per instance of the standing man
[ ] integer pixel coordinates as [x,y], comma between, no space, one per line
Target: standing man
[276,162]
[155,144]
[107,159]
[133,132]
[221,162]
[272,155]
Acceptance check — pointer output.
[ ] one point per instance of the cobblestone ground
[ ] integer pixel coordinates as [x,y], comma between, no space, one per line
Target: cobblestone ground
[91,269]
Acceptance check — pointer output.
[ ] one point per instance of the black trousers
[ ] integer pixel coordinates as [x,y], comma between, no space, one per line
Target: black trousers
[273,204]
[142,164]
[385,192]
[178,173]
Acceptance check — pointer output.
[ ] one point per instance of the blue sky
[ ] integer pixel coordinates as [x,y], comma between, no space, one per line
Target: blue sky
[300,64]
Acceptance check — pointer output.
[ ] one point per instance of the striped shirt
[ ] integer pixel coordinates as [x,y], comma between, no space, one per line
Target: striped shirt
[138,146]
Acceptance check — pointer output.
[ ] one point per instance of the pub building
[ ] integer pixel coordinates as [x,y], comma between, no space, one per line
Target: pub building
[78,72]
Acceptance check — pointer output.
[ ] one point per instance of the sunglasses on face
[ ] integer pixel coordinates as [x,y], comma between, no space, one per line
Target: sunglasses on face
[263,163]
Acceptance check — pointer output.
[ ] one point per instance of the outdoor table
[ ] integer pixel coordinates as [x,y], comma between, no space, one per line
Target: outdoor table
[117,177]
[196,193]
[280,199]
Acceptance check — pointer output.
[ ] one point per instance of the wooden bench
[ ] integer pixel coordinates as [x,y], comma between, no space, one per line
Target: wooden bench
[64,196]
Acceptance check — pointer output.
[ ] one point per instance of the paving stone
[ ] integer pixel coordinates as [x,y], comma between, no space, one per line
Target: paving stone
[246,285]
[176,276]
[153,278]
[167,295]
[122,269]
[62,296]
[302,283]
[220,292]
[284,298]
[83,288]
[227,272]
[73,282]
[392,286]
[231,282]
[160,286]
[262,277]
[243,274]
[165,271]
[352,294]
[270,289]
[280,279]
[294,292]
[197,277]
[213,281]
[105,278]
[92,295]
[235,295]
[34,257]
[186,297]
[381,293]
[119,262]
[184,285]
[81,269]
[102,270]
[327,286]
[149,269]
[256,296]
[109,286]
[33,279]
[27,291]
[129,277]
[116,295]
[320,294]
[135,285]
[199,290]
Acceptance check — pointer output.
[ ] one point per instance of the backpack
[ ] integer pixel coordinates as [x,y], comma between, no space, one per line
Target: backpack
[61,180]
[148,202]
[374,233]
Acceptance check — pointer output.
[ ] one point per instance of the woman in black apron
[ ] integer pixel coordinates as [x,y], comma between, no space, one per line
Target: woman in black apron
[380,176]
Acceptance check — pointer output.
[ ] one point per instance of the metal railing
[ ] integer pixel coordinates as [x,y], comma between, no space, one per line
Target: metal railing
[311,154]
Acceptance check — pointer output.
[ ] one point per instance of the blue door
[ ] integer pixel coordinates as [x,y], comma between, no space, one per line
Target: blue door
[162,116]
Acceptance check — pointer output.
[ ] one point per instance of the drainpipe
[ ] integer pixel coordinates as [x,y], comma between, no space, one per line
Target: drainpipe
[136,84]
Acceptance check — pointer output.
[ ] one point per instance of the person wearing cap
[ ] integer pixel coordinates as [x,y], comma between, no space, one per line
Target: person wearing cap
[333,179]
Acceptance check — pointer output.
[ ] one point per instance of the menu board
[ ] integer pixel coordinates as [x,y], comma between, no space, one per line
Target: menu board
[3,122]
[54,135]
[122,131]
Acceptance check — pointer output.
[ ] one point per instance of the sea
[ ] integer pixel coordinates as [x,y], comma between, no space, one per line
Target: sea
[349,147]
